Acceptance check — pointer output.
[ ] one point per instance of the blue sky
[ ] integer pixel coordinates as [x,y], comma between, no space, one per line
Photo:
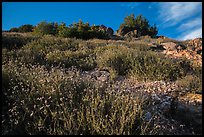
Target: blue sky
[178,20]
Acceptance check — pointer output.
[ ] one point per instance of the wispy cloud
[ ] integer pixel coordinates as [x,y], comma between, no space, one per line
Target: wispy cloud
[130,5]
[191,24]
[182,15]
[172,13]
[197,33]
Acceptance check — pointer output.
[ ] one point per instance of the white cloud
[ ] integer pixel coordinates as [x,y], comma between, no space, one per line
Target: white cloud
[172,13]
[183,15]
[197,22]
[197,33]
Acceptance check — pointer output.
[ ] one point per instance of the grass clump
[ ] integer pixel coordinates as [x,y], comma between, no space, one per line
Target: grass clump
[191,83]
[80,59]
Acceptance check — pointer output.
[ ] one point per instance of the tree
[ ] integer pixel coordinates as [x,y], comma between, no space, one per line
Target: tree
[129,21]
[141,24]
[153,31]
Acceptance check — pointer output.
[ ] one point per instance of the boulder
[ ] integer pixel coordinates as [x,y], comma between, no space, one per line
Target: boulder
[169,45]
[195,44]
[109,31]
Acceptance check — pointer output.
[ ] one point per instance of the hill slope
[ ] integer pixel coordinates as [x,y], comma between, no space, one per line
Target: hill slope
[54,85]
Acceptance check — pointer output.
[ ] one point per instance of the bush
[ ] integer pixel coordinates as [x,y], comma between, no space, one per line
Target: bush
[26,28]
[81,30]
[23,29]
[115,58]
[44,28]
[14,30]
[144,65]
[154,66]
[59,102]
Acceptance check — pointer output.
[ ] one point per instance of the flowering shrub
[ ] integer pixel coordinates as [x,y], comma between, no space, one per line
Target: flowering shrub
[60,102]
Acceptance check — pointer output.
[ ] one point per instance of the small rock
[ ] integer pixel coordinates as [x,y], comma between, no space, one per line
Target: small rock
[147,116]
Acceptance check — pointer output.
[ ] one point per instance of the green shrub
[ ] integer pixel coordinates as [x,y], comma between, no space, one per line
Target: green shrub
[116,58]
[14,30]
[154,66]
[23,28]
[80,59]
[44,28]
[26,28]
[191,83]
[80,30]
[59,102]
[144,65]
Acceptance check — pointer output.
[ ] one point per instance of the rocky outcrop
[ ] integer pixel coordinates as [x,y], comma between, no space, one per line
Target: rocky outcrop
[169,45]
[109,31]
[191,50]
[195,45]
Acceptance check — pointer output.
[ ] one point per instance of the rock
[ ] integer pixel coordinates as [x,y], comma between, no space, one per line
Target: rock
[147,116]
[197,42]
[157,48]
[180,47]
[165,107]
[155,98]
[101,75]
[195,45]
[109,31]
[169,45]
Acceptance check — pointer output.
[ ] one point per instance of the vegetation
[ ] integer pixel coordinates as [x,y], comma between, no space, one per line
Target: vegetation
[44,28]
[16,40]
[44,91]
[23,28]
[84,31]
[141,24]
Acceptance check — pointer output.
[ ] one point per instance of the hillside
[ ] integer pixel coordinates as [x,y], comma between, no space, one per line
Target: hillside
[122,85]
